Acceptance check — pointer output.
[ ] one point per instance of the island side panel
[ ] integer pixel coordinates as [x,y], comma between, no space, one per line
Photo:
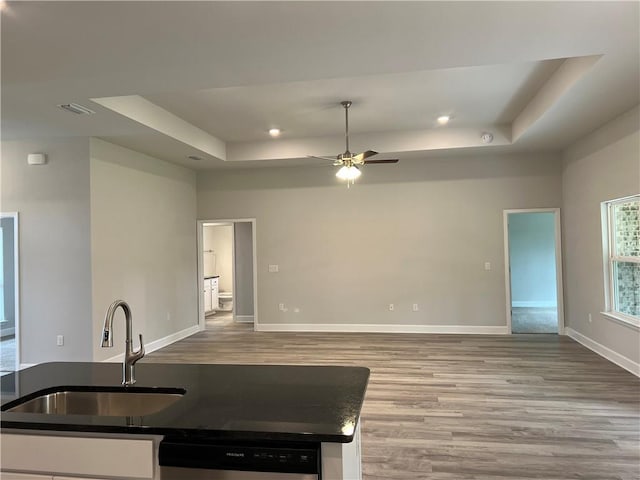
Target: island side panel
[342,461]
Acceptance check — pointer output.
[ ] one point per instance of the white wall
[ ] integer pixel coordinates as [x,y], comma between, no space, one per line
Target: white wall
[532,256]
[219,238]
[603,166]
[55,268]
[243,291]
[143,237]
[416,232]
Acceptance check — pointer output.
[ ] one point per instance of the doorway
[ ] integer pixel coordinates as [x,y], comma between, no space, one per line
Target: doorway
[9,294]
[533,271]
[227,276]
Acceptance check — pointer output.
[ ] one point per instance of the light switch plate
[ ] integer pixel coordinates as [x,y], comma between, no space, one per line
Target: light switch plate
[274,269]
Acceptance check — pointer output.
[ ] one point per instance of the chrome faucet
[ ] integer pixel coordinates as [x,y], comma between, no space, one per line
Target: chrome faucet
[130,357]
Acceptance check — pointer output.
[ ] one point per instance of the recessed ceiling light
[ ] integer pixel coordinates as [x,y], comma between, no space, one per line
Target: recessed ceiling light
[487,137]
[443,119]
[275,132]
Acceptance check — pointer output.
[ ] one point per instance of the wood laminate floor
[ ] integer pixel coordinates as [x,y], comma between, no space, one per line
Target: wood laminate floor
[461,407]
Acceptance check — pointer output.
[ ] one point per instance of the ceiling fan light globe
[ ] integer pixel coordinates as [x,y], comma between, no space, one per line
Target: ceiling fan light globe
[348,173]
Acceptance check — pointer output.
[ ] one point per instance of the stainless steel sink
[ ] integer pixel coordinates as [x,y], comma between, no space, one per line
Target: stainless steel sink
[101,401]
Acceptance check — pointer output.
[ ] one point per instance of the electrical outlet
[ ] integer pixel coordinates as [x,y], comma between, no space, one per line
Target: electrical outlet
[281,307]
[415,307]
[589,318]
[274,268]
[391,307]
[60,340]
[487,265]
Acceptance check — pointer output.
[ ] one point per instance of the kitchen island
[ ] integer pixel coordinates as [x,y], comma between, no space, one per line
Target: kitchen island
[252,406]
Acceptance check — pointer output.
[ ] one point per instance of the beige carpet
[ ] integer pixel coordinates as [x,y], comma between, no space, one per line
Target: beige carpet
[8,354]
[534,320]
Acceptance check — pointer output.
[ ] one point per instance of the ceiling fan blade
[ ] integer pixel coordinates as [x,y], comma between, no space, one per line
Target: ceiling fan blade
[363,156]
[390,160]
[331,159]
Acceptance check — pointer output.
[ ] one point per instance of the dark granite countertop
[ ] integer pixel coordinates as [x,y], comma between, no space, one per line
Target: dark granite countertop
[212,276]
[239,402]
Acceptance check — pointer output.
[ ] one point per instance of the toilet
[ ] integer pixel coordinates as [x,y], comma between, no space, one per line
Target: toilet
[226,301]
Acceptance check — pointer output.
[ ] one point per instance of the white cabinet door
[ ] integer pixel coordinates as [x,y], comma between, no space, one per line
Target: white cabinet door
[208,304]
[23,476]
[214,294]
[83,457]
[55,477]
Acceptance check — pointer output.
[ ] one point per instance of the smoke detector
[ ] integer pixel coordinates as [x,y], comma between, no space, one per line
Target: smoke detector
[487,137]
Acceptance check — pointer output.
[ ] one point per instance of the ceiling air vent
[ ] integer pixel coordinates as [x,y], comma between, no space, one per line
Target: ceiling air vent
[75,108]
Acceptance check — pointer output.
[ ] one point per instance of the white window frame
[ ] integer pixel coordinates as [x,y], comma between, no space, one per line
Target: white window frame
[609,258]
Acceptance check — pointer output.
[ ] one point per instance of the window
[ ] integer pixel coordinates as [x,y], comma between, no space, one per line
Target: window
[621,221]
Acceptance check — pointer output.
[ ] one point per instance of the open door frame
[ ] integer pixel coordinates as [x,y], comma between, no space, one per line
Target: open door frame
[507,262]
[200,269]
[16,273]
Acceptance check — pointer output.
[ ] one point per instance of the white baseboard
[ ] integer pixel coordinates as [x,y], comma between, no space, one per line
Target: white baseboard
[161,342]
[534,304]
[605,352]
[244,318]
[374,328]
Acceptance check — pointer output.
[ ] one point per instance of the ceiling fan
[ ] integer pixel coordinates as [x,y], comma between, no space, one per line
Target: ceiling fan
[348,161]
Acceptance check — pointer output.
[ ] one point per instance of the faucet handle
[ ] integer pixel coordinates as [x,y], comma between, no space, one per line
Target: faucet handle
[140,353]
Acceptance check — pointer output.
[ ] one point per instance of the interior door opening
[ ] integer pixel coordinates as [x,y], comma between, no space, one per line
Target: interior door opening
[226,272]
[533,271]
[9,294]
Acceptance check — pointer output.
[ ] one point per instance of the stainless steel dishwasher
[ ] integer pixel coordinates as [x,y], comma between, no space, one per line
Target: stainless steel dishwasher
[204,460]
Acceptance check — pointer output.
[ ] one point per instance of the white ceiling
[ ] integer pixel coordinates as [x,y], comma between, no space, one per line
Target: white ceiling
[210,78]
[400,101]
